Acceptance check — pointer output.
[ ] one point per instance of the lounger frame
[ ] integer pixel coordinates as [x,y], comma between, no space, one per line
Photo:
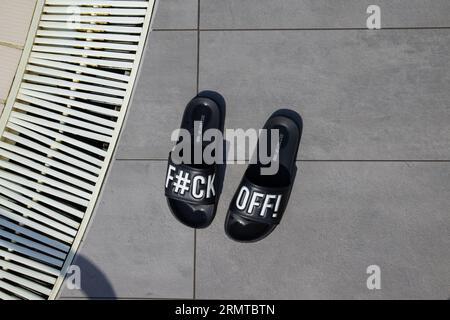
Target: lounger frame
[30,187]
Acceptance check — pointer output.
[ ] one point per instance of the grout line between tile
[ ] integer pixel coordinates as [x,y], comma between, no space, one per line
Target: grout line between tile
[325,29]
[310,160]
[194,278]
[120,298]
[159,30]
[305,29]
[197,88]
[198,47]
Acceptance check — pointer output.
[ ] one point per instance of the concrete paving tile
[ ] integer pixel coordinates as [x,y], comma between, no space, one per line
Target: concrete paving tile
[135,248]
[342,218]
[15,20]
[167,82]
[9,58]
[247,14]
[176,14]
[363,95]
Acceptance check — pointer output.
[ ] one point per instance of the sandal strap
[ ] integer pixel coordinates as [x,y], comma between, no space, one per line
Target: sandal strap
[258,203]
[190,184]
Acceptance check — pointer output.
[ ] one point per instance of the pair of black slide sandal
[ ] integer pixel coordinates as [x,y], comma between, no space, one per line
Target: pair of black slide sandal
[193,190]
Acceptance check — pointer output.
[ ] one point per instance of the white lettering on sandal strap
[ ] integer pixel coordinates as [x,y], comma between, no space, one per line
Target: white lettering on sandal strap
[197,193]
[252,200]
[169,175]
[199,186]
[241,203]
[210,187]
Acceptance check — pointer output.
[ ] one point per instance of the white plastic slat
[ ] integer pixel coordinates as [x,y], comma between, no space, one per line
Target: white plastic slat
[58,221]
[32,244]
[34,235]
[24,282]
[74,67]
[83,52]
[114,64]
[17,193]
[34,225]
[19,291]
[5,296]
[69,102]
[28,128]
[75,76]
[92,19]
[86,44]
[68,111]
[88,35]
[43,179]
[90,27]
[49,162]
[41,219]
[63,119]
[39,197]
[50,152]
[71,93]
[42,188]
[73,85]
[59,126]
[93,10]
[125,4]
[30,253]
[6,265]
[29,262]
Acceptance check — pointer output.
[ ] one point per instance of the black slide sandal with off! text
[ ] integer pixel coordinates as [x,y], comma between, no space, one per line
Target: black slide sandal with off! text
[260,200]
[191,188]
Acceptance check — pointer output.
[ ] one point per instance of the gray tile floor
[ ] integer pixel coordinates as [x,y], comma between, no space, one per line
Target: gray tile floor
[373,186]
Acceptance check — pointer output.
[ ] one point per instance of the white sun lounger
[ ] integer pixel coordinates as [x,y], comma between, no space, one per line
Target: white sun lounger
[59,130]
